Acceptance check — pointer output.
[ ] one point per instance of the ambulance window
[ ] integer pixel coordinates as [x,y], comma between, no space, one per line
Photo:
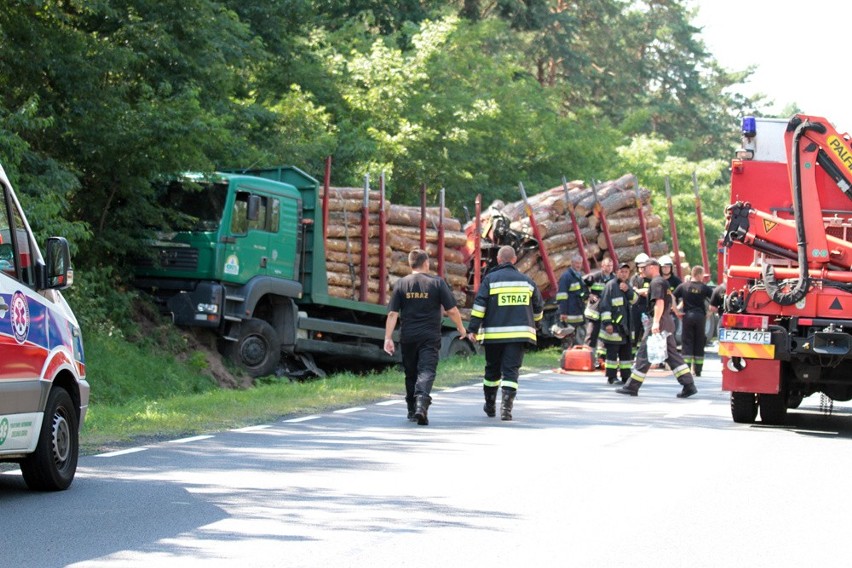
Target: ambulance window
[7,254]
[25,251]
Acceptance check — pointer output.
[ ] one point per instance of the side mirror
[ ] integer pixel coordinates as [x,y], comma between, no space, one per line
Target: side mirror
[253,208]
[60,273]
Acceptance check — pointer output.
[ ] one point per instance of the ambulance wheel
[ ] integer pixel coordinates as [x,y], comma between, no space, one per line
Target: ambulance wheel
[258,350]
[743,407]
[53,464]
[773,408]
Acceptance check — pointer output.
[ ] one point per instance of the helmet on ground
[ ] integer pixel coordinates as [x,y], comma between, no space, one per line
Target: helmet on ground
[641,259]
[666,260]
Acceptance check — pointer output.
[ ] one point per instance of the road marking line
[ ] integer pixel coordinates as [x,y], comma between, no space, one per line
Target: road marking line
[528,376]
[251,428]
[350,410]
[120,452]
[389,402]
[187,440]
[457,389]
[303,418]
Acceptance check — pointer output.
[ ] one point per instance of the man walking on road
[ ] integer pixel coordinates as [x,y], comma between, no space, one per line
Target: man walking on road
[505,312]
[421,299]
[694,294]
[660,298]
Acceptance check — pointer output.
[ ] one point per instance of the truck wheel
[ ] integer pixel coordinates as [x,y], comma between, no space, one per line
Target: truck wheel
[258,349]
[743,407]
[711,327]
[453,346]
[53,464]
[773,408]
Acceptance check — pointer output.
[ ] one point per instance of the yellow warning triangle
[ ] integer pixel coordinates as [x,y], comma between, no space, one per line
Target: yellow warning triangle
[768,225]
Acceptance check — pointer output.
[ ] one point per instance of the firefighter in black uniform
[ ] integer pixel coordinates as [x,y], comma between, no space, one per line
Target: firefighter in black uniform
[694,294]
[616,300]
[641,285]
[505,312]
[596,285]
[421,298]
[660,298]
[572,293]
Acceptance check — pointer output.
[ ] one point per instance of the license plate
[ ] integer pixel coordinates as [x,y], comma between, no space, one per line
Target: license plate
[745,336]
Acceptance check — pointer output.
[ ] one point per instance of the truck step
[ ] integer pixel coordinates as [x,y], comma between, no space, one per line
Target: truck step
[235,298]
[231,318]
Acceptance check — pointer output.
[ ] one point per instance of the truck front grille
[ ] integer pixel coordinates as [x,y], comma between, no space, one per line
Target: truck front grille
[173,259]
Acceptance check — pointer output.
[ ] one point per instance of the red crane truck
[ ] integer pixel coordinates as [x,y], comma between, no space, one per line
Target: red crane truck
[787,328]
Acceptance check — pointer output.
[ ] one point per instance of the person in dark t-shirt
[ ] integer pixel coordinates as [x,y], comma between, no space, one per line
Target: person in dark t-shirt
[419,301]
[694,295]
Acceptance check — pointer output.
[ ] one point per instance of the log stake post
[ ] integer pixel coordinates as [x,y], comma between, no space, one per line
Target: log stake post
[604,226]
[578,236]
[550,292]
[441,235]
[383,222]
[326,186]
[365,238]
[423,217]
[673,228]
[705,260]
[477,244]
[643,227]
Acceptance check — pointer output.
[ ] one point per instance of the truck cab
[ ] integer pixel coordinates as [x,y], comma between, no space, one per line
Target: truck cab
[44,394]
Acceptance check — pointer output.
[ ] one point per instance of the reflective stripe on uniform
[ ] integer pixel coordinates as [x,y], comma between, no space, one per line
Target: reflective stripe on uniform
[574,287]
[538,316]
[609,337]
[680,371]
[506,332]
[561,296]
[510,384]
[578,318]
[487,383]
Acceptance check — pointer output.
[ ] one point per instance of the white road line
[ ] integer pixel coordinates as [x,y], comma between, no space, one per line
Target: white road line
[389,402]
[350,410]
[528,375]
[303,418]
[187,440]
[120,452]
[457,389]
[252,428]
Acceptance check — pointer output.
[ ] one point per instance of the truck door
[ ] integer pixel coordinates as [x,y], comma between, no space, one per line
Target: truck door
[246,253]
[283,237]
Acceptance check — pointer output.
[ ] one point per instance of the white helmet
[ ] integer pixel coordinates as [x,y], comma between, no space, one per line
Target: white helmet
[665,260]
[641,259]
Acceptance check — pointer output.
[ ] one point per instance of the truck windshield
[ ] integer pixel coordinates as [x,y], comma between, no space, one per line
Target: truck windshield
[196,206]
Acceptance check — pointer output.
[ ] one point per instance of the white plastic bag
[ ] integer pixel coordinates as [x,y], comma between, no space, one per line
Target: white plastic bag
[658,348]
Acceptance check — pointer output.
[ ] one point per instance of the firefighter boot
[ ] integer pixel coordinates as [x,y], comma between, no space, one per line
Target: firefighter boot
[506,407]
[631,388]
[697,369]
[688,391]
[421,409]
[412,405]
[490,407]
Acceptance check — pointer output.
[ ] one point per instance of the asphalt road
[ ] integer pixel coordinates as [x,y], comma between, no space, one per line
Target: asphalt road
[582,477]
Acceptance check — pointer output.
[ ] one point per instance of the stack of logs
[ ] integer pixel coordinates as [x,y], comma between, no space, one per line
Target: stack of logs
[617,200]
[343,246]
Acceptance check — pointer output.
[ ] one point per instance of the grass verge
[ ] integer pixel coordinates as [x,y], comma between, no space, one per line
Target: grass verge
[113,425]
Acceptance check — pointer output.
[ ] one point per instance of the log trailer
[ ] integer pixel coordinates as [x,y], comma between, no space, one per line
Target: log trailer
[787,328]
[248,262]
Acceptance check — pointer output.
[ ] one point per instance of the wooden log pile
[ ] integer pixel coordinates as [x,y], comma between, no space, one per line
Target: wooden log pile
[617,200]
[343,246]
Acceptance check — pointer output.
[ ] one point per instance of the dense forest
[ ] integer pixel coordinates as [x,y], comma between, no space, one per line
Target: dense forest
[100,98]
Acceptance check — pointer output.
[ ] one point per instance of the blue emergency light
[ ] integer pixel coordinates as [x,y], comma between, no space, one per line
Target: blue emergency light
[749,126]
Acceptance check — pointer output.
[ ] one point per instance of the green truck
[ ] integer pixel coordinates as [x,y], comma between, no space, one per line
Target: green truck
[247,260]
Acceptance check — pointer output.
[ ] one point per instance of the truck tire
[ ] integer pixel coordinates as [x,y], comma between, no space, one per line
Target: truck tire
[743,407]
[53,464]
[711,328]
[454,346]
[258,350]
[773,408]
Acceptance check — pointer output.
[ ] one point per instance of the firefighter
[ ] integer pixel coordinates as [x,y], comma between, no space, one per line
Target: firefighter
[572,293]
[506,310]
[592,314]
[421,299]
[615,329]
[694,294]
[640,284]
[667,272]
[660,298]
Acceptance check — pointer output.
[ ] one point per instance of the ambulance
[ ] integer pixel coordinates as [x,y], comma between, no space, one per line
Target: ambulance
[43,390]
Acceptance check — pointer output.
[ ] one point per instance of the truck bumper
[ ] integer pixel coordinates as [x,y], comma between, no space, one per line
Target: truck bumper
[757,375]
[201,307]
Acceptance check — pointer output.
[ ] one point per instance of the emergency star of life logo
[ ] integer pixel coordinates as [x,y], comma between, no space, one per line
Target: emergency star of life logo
[20,317]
